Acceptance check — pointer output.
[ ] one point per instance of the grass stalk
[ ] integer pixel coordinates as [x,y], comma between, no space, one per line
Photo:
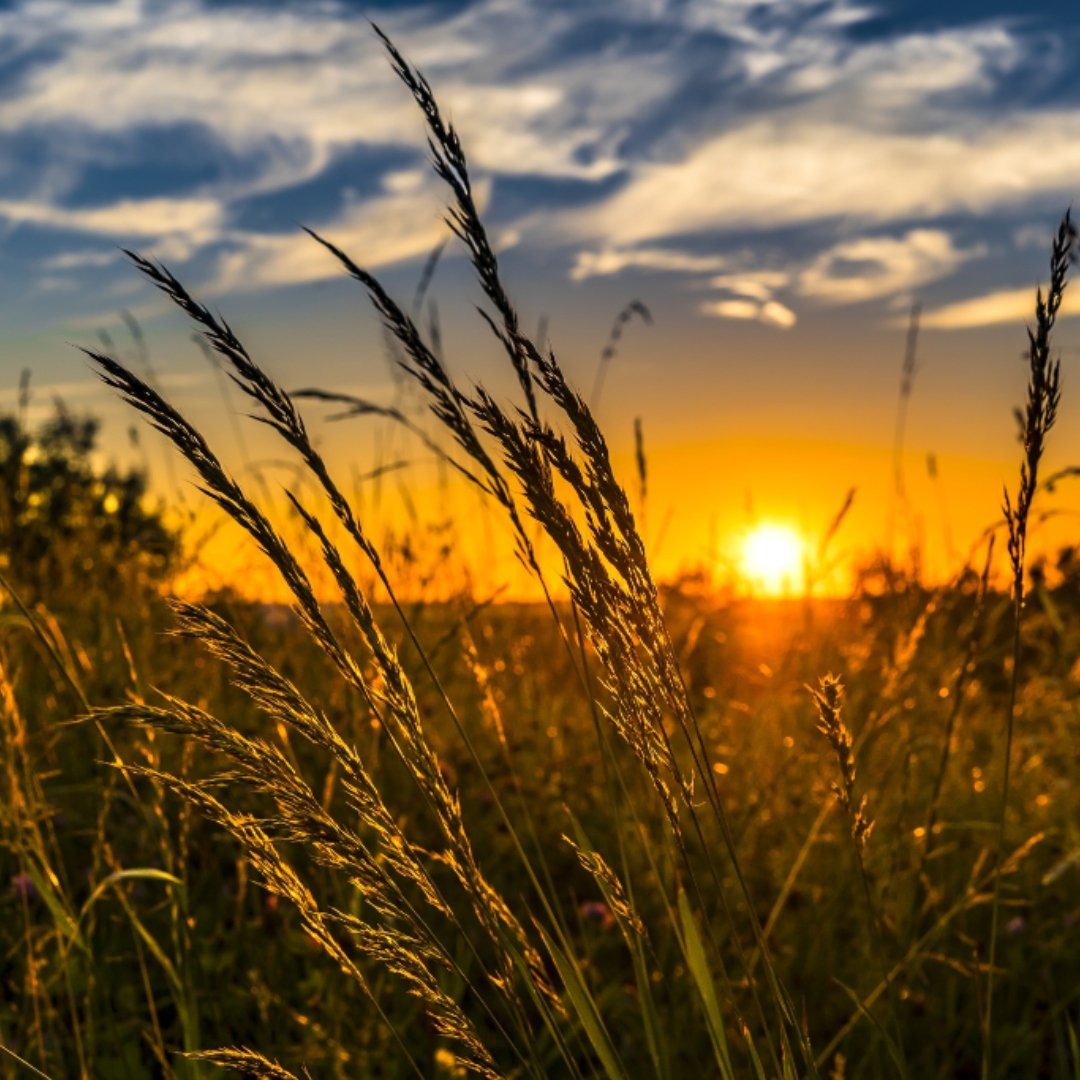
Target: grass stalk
[1034,421]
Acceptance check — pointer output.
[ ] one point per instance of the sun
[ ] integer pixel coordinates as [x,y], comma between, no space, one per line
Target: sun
[772,560]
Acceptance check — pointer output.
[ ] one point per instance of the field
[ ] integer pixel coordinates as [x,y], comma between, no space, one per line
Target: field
[632,829]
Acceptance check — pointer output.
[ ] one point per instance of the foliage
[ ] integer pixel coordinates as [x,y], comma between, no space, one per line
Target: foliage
[570,839]
[63,520]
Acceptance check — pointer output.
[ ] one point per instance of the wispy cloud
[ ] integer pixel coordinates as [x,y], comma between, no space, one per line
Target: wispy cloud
[158,217]
[751,294]
[609,261]
[876,266]
[80,260]
[1012,306]
[398,225]
[666,118]
[770,312]
[852,271]
[281,92]
[786,171]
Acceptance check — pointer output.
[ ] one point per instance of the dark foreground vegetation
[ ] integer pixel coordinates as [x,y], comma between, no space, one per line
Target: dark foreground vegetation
[613,835]
[117,973]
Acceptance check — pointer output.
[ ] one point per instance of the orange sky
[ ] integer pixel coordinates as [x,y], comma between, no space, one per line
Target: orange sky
[777,182]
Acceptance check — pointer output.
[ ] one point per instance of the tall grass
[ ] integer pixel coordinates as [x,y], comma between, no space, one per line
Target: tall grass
[408,813]
[612,591]
[1035,421]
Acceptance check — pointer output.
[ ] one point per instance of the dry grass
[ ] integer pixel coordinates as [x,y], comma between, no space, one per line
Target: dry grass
[401,806]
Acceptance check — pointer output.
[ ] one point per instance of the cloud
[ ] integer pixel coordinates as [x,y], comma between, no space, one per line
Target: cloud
[774,173]
[675,118]
[611,261]
[299,83]
[750,291]
[1032,236]
[399,224]
[751,294]
[835,121]
[913,69]
[875,266]
[80,260]
[755,284]
[125,217]
[1014,306]
[771,24]
[852,271]
[279,93]
[771,312]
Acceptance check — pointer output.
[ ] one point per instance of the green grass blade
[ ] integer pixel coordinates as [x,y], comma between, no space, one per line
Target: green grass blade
[697,962]
[23,1062]
[48,889]
[890,1043]
[138,874]
[585,1008]
[650,1018]
[1074,1048]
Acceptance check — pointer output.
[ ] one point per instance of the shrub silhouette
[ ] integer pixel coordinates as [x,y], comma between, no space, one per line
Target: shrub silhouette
[63,520]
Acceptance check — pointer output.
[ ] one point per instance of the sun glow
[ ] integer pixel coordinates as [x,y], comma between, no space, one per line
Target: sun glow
[772,560]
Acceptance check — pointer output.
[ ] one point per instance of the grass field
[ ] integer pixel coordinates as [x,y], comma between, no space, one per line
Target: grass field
[634,830]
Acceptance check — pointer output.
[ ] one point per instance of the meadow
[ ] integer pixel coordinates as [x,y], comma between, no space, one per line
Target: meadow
[630,829]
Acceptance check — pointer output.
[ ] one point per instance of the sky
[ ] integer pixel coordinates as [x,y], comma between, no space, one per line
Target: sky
[777,181]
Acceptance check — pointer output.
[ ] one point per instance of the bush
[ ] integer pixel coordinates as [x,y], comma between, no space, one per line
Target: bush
[63,520]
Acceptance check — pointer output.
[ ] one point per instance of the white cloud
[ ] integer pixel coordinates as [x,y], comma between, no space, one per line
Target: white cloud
[851,271]
[610,261]
[54,283]
[1014,306]
[750,294]
[776,313]
[874,266]
[864,131]
[300,84]
[769,22]
[404,181]
[80,260]
[910,70]
[286,91]
[771,312]
[778,172]
[757,284]
[126,217]
[388,228]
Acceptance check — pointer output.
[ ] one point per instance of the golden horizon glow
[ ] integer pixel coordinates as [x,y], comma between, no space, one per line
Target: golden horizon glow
[772,559]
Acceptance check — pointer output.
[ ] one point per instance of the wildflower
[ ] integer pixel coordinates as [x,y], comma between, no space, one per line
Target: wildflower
[23,885]
[597,911]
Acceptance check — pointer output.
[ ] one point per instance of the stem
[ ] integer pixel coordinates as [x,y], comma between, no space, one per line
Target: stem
[877,926]
[995,909]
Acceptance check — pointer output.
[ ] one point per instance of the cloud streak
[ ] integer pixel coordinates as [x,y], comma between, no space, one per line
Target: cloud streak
[876,266]
[789,172]
[1003,306]
[667,119]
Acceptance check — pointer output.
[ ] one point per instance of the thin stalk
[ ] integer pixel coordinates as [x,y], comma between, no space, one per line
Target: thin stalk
[1035,420]
[828,700]
[958,687]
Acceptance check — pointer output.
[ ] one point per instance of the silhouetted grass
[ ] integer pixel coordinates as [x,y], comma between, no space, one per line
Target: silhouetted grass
[591,837]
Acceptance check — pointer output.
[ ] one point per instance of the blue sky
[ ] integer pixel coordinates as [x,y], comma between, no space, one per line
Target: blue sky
[790,154]
[763,174]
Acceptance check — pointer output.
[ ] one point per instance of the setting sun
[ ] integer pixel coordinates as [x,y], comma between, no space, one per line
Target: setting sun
[772,559]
